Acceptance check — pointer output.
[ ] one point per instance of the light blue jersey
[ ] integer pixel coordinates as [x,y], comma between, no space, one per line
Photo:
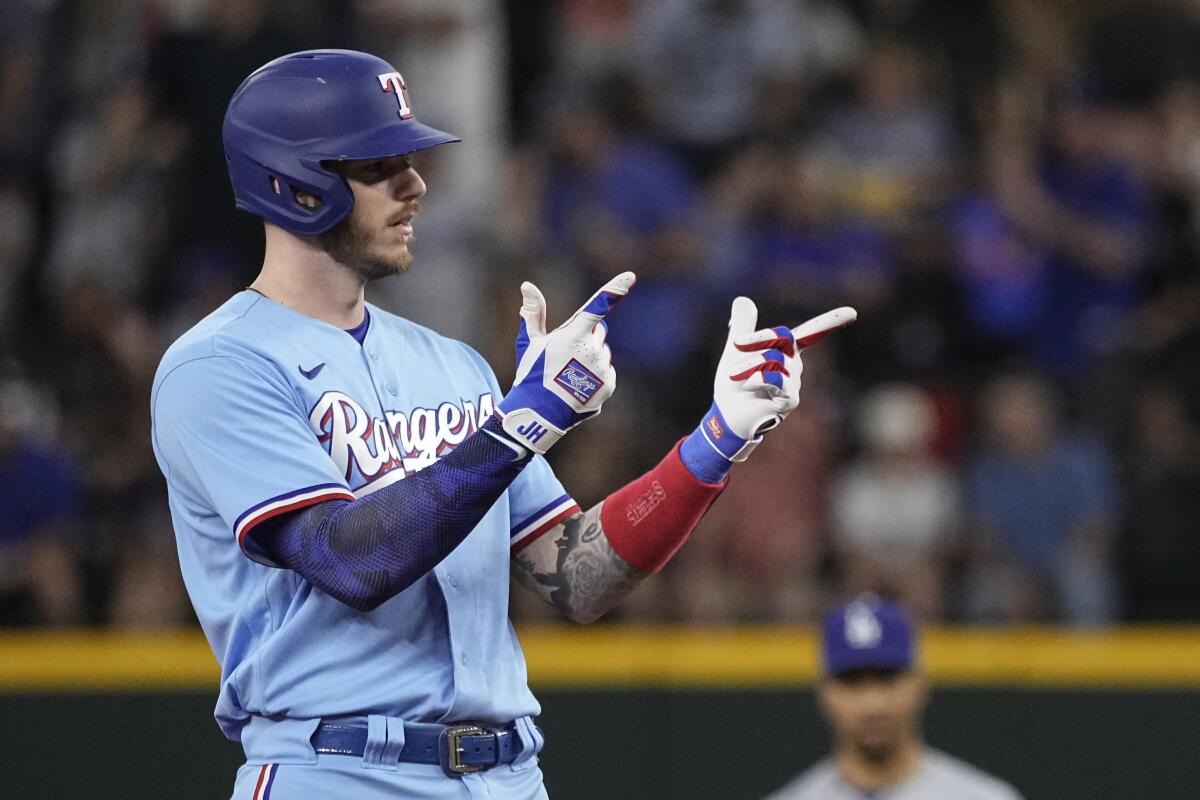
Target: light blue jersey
[259,410]
[939,777]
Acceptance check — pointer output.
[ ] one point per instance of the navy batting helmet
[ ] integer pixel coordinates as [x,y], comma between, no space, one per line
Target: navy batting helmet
[295,114]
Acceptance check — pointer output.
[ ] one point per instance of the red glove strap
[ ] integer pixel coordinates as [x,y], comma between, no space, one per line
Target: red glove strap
[648,519]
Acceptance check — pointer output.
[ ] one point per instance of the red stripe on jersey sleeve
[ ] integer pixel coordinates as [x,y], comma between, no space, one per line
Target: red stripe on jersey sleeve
[544,527]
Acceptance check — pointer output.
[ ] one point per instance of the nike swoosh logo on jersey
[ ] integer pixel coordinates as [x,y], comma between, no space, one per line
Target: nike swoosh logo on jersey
[311,373]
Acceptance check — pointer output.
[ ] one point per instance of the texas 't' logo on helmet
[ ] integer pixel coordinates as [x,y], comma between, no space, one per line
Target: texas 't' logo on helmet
[393,83]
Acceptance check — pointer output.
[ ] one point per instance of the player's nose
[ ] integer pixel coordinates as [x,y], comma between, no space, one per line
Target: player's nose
[409,185]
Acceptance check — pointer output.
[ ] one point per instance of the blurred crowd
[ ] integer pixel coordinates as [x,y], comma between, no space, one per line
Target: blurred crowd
[1007,191]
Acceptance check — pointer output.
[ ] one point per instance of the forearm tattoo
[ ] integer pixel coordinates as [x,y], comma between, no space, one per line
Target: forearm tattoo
[574,569]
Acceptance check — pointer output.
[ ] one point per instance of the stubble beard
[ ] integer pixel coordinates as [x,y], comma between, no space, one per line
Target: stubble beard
[349,244]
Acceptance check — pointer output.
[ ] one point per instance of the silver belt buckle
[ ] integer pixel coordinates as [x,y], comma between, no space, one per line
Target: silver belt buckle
[450,749]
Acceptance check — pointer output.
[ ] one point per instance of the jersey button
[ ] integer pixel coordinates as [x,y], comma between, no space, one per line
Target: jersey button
[463,659]
[391,388]
[374,356]
[450,579]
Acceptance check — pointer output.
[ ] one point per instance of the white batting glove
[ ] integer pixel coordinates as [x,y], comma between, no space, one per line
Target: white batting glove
[563,376]
[758,377]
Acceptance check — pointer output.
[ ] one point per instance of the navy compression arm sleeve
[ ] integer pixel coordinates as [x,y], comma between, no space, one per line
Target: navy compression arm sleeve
[366,551]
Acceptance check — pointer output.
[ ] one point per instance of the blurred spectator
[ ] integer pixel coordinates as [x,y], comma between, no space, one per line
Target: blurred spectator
[25,36]
[1136,49]
[1042,506]
[40,492]
[1161,548]
[615,200]
[1004,274]
[814,252]
[110,194]
[199,62]
[963,40]
[591,36]
[206,279]
[606,176]
[107,41]
[894,509]
[921,333]
[706,62]
[26,100]
[737,201]
[897,135]
[1078,201]
[100,358]
[451,54]
[18,240]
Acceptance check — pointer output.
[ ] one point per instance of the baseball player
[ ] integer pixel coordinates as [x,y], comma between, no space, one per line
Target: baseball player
[873,695]
[351,491]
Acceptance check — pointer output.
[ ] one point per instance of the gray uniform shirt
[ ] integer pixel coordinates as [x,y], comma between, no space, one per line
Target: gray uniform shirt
[940,777]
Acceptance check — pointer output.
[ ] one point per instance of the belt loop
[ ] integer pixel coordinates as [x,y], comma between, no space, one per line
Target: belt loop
[531,740]
[385,740]
[395,741]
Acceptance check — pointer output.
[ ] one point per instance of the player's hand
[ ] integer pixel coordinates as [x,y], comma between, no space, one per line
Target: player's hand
[758,377]
[564,375]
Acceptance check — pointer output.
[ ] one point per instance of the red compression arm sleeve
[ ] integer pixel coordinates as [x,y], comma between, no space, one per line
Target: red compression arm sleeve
[648,519]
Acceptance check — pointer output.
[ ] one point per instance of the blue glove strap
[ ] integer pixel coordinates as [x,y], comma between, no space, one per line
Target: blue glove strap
[702,460]
[717,433]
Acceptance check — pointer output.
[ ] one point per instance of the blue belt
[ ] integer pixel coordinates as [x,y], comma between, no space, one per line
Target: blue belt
[459,749]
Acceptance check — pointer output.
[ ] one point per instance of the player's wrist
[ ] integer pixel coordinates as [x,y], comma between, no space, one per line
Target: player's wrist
[494,427]
[526,428]
[702,459]
[720,436]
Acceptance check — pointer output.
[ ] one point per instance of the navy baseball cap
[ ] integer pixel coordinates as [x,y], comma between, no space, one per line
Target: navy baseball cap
[868,633]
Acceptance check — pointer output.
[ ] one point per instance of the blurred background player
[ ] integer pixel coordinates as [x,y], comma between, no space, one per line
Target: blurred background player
[873,694]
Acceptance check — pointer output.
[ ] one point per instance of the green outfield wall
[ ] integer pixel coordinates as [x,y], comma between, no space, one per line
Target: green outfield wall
[637,713]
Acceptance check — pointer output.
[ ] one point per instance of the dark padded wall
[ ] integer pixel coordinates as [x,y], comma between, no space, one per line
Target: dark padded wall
[633,744]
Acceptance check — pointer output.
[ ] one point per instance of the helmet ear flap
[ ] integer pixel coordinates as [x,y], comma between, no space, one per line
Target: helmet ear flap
[275,195]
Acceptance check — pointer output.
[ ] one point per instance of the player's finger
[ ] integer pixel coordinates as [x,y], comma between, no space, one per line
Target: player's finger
[599,333]
[611,293]
[768,368]
[767,424]
[817,328]
[533,309]
[743,317]
[777,338]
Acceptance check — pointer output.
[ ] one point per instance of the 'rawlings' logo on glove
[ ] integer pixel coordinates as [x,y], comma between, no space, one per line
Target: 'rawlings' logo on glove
[577,380]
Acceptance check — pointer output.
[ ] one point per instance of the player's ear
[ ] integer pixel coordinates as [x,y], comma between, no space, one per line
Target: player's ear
[306,199]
